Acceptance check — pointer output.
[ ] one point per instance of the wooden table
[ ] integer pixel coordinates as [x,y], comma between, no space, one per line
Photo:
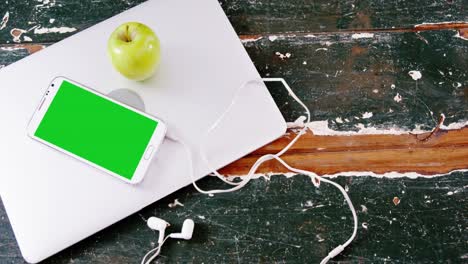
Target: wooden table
[350,62]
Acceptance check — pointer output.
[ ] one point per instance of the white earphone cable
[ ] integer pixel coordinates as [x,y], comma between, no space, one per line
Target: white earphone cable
[157,249]
[238,185]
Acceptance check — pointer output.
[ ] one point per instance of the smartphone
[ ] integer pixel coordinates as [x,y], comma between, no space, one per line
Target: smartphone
[97,130]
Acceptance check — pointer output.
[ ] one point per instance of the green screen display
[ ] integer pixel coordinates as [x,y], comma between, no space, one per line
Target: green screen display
[96,129]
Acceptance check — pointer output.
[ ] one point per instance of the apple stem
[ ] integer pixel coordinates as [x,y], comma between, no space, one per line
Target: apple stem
[127,35]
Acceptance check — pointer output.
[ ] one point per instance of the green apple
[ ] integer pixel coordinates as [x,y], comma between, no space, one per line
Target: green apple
[134,50]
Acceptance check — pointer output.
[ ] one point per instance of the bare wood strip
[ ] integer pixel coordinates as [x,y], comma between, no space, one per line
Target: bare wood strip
[445,151]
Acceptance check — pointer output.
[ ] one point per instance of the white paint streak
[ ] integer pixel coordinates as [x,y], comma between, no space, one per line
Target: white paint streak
[363,208]
[251,40]
[367,115]
[321,128]
[61,30]
[362,35]
[45,4]
[11,48]
[283,56]
[397,98]
[201,217]
[453,126]
[416,75]
[389,175]
[4,20]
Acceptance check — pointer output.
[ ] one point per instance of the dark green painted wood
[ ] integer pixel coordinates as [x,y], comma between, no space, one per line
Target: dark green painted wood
[247,16]
[71,14]
[289,221]
[257,16]
[345,77]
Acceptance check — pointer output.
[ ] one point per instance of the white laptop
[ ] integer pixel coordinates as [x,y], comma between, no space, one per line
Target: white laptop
[53,200]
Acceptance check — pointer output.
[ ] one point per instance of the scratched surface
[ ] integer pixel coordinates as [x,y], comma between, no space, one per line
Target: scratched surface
[342,79]
[357,79]
[288,220]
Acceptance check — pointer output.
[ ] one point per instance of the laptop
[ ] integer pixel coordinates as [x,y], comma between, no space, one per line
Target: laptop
[52,200]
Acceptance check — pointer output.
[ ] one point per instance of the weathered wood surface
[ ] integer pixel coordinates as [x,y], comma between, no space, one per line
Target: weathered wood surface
[343,78]
[285,220]
[425,154]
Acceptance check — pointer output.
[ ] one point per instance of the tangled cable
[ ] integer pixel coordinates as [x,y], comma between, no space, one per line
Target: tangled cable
[245,179]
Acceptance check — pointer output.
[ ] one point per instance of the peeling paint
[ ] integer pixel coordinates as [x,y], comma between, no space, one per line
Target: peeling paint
[321,128]
[397,98]
[247,40]
[4,20]
[367,115]
[16,34]
[283,56]
[416,75]
[362,35]
[61,30]
[460,36]
[272,38]
[175,204]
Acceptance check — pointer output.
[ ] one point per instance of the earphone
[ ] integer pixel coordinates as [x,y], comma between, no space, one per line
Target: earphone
[244,180]
[160,225]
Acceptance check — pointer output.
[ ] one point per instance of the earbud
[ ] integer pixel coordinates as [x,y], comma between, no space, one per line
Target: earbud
[186,232]
[159,225]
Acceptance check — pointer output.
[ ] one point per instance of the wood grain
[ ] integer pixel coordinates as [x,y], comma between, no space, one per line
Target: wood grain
[443,152]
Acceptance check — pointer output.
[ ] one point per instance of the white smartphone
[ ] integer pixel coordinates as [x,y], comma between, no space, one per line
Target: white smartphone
[97,130]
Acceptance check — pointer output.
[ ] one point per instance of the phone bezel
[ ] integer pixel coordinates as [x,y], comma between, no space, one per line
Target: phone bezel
[155,141]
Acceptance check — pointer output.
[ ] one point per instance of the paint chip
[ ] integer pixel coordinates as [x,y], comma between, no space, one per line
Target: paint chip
[305,63]
[363,208]
[283,56]
[367,115]
[364,225]
[4,20]
[416,75]
[397,98]
[16,34]
[201,217]
[396,201]
[392,86]
[175,204]
[52,20]
[319,238]
[339,120]
[26,38]
[272,38]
